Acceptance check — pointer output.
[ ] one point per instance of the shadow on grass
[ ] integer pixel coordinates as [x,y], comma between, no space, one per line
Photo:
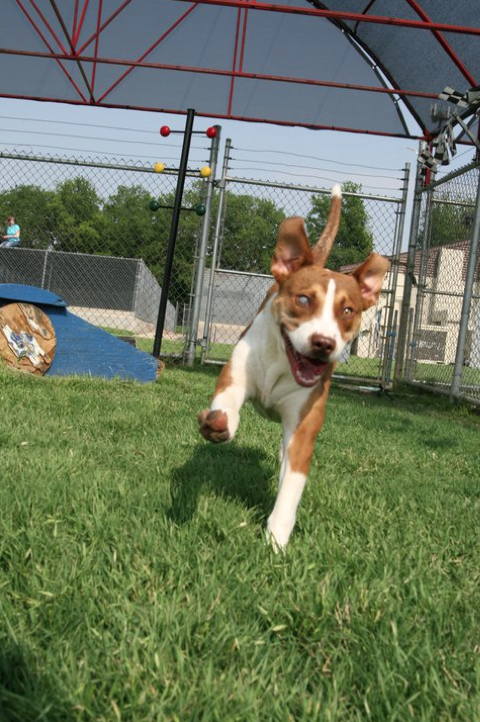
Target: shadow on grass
[27,694]
[230,471]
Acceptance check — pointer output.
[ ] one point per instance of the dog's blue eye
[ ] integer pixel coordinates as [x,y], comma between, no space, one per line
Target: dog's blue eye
[303,300]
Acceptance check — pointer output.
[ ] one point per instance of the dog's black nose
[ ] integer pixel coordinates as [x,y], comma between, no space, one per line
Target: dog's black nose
[323,345]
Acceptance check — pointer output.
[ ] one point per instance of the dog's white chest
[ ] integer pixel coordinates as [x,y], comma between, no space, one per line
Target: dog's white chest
[262,362]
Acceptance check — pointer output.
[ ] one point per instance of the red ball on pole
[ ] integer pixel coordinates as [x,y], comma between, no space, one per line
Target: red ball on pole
[211,132]
[165,131]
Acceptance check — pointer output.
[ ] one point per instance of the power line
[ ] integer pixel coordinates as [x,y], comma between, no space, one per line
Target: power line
[309,167]
[316,177]
[86,125]
[312,157]
[30,148]
[154,132]
[88,137]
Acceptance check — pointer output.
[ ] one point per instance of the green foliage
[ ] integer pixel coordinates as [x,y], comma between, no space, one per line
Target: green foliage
[354,240]
[250,233]
[130,226]
[74,218]
[450,222]
[31,206]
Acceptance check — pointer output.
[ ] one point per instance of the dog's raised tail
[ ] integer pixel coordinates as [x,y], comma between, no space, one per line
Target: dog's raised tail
[324,244]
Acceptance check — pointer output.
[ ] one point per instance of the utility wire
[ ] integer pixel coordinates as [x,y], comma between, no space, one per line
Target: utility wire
[31,148]
[317,177]
[154,132]
[312,157]
[309,167]
[89,137]
[86,125]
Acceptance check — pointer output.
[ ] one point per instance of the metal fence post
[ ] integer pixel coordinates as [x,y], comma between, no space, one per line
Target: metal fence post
[389,346]
[216,247]
[418,316]
[467,299]
[407,291]
[45,267]
[202,253]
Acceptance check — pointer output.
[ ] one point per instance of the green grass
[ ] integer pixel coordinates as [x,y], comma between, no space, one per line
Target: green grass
[443,373]
[135,583]
[357,366]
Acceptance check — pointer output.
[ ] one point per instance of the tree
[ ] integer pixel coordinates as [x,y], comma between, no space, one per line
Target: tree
[249,233]
[354,240]
[76,217]
[29,204]
[450,222]
[131,227]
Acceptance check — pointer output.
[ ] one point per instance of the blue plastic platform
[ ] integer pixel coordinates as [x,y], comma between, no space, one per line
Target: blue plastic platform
[82,348]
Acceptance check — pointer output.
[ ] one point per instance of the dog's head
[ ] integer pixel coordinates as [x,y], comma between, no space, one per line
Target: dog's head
[318,310]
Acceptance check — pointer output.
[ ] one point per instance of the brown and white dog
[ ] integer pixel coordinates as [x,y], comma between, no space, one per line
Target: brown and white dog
[285,359]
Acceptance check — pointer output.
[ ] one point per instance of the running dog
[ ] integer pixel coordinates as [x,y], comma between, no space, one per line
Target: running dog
[285,358]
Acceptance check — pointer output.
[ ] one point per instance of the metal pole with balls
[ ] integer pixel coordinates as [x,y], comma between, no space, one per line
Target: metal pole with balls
[177,205]
[199,208]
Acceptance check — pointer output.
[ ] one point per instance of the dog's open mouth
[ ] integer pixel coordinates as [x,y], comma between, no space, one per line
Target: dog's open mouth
[306,371]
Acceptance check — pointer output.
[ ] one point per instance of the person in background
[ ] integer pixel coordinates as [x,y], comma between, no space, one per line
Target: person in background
[12,237]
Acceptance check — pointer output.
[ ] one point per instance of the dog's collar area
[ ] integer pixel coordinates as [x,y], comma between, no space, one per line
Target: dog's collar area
[306,371]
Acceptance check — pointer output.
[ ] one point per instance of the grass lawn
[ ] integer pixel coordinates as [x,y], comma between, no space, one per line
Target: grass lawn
[135,584]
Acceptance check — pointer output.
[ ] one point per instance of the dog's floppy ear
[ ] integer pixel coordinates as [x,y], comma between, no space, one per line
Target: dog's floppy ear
[293,249]
[325,242]
[370,277]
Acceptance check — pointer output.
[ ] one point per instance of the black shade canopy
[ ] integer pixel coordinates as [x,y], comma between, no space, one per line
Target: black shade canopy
[371,66]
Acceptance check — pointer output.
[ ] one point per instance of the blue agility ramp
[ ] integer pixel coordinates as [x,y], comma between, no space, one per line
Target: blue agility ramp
[82,348]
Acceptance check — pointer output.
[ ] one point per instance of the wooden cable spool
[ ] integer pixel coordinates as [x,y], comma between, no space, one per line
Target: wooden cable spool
[27,338]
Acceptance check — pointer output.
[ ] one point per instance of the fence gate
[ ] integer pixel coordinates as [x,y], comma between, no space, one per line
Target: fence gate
[443,330]
[234,291]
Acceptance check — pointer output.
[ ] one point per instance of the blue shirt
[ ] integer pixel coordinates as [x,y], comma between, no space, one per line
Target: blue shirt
[11,230]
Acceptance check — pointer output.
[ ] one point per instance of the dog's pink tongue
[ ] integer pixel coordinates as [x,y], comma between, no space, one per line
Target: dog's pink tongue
[307,372]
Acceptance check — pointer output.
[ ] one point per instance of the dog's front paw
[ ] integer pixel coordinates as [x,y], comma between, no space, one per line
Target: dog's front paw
[214,425]
[278,534]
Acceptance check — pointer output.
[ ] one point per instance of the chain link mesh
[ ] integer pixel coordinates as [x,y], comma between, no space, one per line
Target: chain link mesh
[242,277]
[90,233]
[440,270]
[95,232]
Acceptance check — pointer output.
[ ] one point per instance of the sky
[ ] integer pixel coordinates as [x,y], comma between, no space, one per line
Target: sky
[267,152]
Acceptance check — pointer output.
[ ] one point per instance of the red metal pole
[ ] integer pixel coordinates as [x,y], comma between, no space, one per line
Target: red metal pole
[80,24]
[228,73]
[49,27]
[97,40]
[224,116]
[342,15]
[51,53]
[234,64]
[446,46]
[107,22]
[75,18]
[147,52]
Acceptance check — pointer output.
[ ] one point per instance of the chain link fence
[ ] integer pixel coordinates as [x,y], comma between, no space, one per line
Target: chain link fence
[443,349]
[238,285]
[95,232]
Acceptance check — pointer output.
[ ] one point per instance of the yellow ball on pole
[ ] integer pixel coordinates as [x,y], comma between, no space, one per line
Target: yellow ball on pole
[159,167]
[206,171]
